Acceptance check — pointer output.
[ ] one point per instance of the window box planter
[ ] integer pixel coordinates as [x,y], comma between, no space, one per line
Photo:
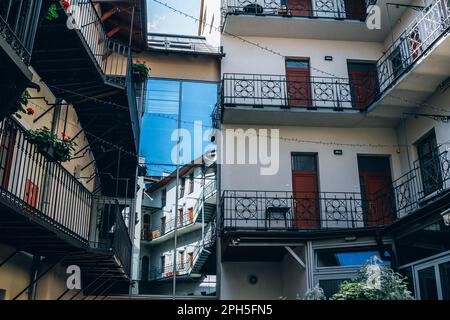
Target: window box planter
[50,146]
[140,71]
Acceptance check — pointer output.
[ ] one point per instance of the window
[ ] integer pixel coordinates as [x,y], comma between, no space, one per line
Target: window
[191,183]
[181,260]
[331,286]
[163,225]
[163,197]
[182,184]
[329,258]
[304,162]
[2,294]
[430,166]
[163,263]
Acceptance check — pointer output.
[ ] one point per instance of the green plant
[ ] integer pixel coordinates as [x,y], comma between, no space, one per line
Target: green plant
[45,139]
[52,13]
[375,282]
[21,103]
[141,70]
[315,293]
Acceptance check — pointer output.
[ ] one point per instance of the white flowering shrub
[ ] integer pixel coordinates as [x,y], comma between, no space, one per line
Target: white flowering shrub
[315,293]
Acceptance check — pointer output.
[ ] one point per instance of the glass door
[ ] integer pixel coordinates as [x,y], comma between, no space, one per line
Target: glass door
[432,279]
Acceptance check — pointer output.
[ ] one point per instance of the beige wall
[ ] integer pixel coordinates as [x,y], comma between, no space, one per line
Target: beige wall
[73,126]
[15,275]
[177,66]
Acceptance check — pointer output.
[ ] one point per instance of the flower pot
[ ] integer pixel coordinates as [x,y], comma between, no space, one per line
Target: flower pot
[48,151]
[139,77]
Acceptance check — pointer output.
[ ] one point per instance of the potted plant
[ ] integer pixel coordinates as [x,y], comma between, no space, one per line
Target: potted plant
[21,105]
[52,12]
[50,146]
[140,71]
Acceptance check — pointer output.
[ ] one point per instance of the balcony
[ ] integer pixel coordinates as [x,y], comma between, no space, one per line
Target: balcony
[85,67]
[203,211]
[311,212]
[47,212]
[309,19]
[193,267]
[416,63]
[18,24]
[316,101]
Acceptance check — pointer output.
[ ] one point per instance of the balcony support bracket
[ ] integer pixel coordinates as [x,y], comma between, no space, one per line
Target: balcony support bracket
[296,257]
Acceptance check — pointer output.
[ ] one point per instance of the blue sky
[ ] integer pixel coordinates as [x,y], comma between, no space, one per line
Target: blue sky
[163,20]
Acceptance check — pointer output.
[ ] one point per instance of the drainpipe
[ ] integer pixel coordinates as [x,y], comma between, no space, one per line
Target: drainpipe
[35,266]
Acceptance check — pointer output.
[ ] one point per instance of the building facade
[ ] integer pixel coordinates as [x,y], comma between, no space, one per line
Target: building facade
[70,124]
[195,226]
[361,168]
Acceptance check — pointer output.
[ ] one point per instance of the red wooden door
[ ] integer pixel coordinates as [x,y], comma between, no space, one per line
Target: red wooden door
[415,43]
[364,83]
[355,9]
[301,8]
[305,192]
[31,193]
[298,83]
[378,197]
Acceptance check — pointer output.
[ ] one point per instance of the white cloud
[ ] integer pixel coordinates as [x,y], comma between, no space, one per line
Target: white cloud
[154,24]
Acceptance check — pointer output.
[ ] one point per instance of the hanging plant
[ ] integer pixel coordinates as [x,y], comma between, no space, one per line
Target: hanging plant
[52,147]
[52,12]
[140,71]
[22,103]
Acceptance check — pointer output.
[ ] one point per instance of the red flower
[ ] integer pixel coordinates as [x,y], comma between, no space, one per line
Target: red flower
[65,3]
[67,138]
[30,111]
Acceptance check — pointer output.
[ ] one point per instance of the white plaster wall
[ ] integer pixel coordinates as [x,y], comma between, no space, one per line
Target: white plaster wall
[235,284]
[246,58]
[336,173]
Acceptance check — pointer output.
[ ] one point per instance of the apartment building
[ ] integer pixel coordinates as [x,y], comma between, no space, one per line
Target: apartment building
[363,120]
[195,226]
[185,72]
[65,72]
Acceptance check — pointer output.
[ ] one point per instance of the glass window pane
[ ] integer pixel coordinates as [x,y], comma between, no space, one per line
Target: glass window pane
[444,270]
[304,162]
[427,284]
[345,259]
[298,64]
[331,286]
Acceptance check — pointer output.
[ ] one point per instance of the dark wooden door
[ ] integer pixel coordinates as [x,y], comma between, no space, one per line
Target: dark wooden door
[298,83]
[363,83]
[376,189]
[430,165]
[305,192]
[301,8]
[355,9]
[6,153]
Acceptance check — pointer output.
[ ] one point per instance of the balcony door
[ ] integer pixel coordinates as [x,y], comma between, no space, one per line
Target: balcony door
[378,201]
[305,191]
[301,8]
[363,83]
[355,9]
[298,84]
[6,153]
[429,163]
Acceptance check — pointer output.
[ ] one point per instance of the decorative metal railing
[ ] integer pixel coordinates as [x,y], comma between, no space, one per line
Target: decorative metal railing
[112,229]
[284,210]
[167,226]
[40,187]
[335,9]
[259,90]
[110,55]
[186,267]
[18,24]
[429,25]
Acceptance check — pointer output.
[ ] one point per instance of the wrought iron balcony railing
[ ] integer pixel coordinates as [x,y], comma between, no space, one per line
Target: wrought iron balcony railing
[39,187]
[259,90]
[32,183]
[281,210]
[427,28]
[18,24]
[110,55]
[332,9]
